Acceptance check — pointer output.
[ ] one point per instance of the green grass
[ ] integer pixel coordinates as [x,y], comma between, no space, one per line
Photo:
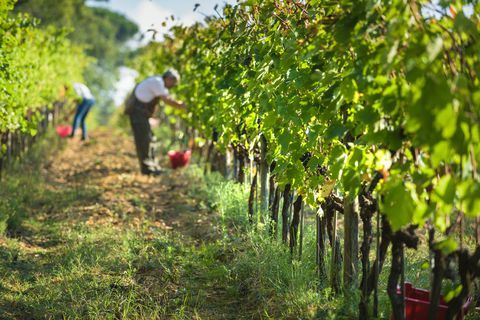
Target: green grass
[54,265]
[277,287]
[271,285]
[83,272]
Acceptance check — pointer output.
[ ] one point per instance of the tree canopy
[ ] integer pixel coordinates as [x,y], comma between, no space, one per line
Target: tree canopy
[100,30]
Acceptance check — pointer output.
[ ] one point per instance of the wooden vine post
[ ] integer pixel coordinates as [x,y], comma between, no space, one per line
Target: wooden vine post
[286,212]
[395,279]
[376,269]
[302,232]
[350,255]
[335,265]
[274,202]
[366,213]
[242,152]
[263,175]
[251,199]
[320,235]
[294,226]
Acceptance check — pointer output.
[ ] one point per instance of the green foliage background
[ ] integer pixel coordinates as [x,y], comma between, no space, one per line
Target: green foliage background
[364,86]
[101,32]
[34,64]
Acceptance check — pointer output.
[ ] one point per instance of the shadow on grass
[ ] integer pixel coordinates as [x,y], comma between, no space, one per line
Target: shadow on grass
[95,274]
[25,192]
[35,217]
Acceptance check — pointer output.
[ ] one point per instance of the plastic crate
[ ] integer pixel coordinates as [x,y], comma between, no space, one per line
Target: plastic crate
[63,131]
[179,159]
[417,304]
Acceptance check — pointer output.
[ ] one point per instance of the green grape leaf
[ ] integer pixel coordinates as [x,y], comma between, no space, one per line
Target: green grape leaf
[398,204]
[447,246]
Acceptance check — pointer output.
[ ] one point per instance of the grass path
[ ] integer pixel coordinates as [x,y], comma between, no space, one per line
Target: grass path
[99,241]
[90,238]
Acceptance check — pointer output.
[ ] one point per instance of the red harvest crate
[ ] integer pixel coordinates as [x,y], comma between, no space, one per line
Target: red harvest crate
[417,303]
[63,131]
[179,159]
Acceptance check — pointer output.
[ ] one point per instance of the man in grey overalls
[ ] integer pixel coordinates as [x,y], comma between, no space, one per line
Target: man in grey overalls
[140,106]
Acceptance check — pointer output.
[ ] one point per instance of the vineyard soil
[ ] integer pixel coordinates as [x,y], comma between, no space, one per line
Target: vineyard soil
[92,239]
[98,240]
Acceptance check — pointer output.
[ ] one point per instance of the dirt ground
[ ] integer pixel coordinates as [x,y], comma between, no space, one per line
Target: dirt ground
[97,186]
[109,165]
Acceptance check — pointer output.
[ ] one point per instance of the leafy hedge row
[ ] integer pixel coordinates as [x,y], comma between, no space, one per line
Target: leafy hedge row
[34,65]
[362,86]
[342,92]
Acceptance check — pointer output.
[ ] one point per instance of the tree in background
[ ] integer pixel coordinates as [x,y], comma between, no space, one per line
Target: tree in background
[103,34]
